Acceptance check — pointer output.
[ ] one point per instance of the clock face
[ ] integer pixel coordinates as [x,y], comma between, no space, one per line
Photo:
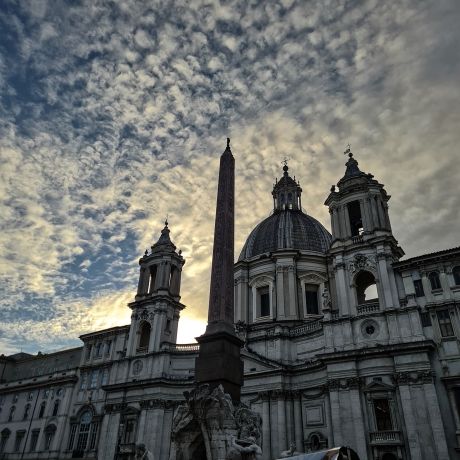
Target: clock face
[137,367]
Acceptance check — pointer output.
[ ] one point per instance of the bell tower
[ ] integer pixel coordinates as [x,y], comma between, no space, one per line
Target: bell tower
[363,246]
[157,306]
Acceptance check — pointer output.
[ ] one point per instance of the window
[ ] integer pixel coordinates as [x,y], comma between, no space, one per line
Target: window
[425,318]
[83,380]
[153,277]
[34,440]
[168,325]
[89,348]
[418,286]
[4,439]
[10,416]
[434,280]
[99,350]
[93,435]
[456,273]
[144,337]
[354,214]
[130,431]
[311,299]
[83,432]
[18,441]
[49,435]
[41,413]
[445,324]
[94,378]
[105,377]
[263,295]
[26,412]
[108,347]
[56,407]
[382,415]
[366,288]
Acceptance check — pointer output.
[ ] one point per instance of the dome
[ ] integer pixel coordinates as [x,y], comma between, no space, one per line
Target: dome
[286,229]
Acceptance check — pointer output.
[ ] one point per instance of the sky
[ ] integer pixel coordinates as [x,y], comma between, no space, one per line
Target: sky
[114,115]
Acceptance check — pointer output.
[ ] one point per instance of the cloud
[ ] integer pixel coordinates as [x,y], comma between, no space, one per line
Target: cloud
[112,117]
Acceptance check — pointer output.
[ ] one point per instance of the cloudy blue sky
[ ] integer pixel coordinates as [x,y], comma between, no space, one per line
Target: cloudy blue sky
[114,114]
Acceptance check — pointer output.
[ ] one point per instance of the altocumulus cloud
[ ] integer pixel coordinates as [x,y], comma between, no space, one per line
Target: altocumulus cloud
[113,114]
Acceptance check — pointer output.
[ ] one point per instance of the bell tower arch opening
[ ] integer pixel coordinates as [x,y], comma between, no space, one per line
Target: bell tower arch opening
[366,288]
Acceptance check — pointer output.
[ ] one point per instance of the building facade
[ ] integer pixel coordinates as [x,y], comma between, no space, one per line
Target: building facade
[344,344]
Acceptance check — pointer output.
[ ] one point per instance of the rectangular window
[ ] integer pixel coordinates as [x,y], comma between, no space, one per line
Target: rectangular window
[94,378]
[311,299]
[48,439]
[445,324]
[73,430]
[3,441]
[108,347]
[265,304]
[418,286]
[99,350]
[89,348]
[425,318]
[83,380]
[356,222]
[34,440]
[18,440]
[382,415]
[105,377]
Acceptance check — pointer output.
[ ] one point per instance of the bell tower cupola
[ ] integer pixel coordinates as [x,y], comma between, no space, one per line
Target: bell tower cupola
[286,192]
[157,306]
[363,247]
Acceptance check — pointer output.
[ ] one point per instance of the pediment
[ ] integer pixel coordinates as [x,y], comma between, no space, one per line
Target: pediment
[376,386]
[260,363]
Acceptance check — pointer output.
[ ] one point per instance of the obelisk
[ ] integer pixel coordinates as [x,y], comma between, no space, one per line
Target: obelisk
[219,360]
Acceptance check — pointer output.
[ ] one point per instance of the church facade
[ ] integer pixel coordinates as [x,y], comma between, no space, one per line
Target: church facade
[345,343]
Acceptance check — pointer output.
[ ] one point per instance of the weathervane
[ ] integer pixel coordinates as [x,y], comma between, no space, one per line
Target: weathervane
[285,161]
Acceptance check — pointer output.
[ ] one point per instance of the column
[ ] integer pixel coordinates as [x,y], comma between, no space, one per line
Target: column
[341,287]
[358,417]
[166,437]
[298,423]
[280,291]
[384,280]
[346,217]
[292,291]
[153,332]
[156,435]
[335,415]
[453,405]
[375,216]
[410,422]
[141,427]
[281,407]
[165,274]
[364,221]
[266,426]
[426,287]
[143,281]
[343,228]
[368,211]
[330,431]
[382,219]
[289,420]
[435,419]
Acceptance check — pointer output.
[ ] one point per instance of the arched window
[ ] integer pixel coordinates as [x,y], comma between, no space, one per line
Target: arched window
[456,273]
[26,412]
[50,430]
[434,280]
[4,439]
[144,336]
[41,413]
[56,407]
[153,277]
[87,428]
[10,416]
[366,288]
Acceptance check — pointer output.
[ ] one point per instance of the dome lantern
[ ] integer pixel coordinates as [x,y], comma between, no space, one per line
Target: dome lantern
[286,192]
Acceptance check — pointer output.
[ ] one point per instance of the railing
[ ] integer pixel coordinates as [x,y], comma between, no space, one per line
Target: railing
[385,437]
[181,347]
[357,239]
[306,328]
[370,307]
[142,350]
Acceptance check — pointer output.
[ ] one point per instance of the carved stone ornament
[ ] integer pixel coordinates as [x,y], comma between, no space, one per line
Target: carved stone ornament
[210,416]
[361,262]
